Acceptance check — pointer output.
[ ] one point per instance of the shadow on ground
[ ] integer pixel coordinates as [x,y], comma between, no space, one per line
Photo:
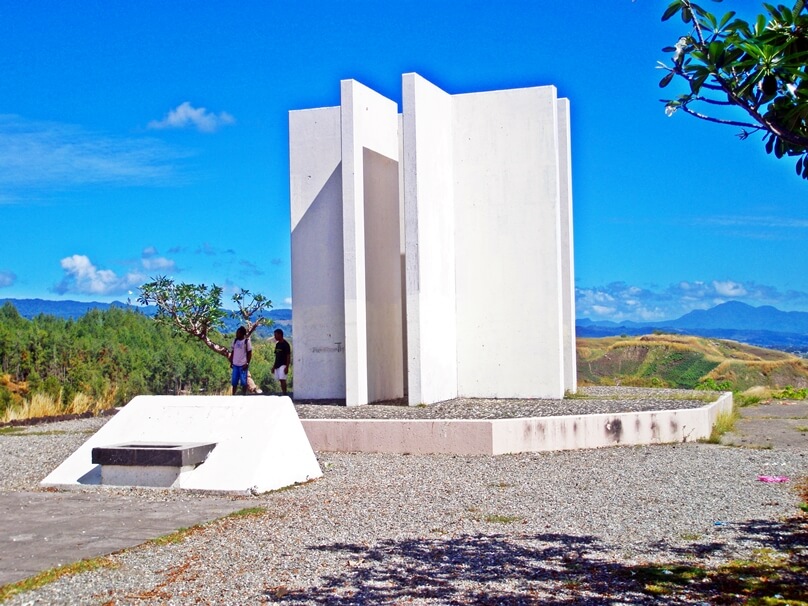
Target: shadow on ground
[562,569]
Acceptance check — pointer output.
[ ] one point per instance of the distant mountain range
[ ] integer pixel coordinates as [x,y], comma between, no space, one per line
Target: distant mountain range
[765,326]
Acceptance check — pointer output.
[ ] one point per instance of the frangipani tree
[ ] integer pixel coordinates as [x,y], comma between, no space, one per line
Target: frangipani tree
[196,309]
[759,67]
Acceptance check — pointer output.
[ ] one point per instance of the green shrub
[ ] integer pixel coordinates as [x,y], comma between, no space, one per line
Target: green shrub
[5,398]
[789,393]
[743,400]
[710,384]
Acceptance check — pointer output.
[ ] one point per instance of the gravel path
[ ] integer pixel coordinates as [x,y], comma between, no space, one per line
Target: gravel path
[549,528]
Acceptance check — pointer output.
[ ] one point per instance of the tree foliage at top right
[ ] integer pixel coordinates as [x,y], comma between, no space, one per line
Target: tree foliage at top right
[759,67]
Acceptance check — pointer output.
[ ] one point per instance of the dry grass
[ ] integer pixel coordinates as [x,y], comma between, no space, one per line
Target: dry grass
[752,396]
[724,423]
[709,349]
[653,360]
[43,405]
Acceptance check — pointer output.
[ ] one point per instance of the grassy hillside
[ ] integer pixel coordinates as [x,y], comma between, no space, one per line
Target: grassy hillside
[104,359]
[683,361]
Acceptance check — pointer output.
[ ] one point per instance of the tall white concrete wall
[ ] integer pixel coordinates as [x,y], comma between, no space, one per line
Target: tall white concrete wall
[508,240]
[430,244]
[450,272]
[374,331]
[567,248]
[318,322]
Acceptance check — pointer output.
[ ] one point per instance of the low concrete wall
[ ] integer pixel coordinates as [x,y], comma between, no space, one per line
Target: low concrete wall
[412,436]
[510,436]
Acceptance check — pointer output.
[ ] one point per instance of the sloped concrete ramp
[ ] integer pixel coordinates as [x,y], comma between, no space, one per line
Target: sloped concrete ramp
[260,442]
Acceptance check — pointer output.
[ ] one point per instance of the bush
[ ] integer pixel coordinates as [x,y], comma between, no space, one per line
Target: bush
[710,384]
[789,393]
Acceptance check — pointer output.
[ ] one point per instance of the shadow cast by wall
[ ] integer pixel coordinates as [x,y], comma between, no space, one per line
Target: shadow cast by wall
[554,569]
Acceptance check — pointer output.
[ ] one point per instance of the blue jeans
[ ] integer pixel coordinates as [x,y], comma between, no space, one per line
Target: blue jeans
[239,375]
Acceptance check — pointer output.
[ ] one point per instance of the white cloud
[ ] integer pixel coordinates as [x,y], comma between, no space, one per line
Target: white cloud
[7,278]
[82,277]
[50,155]
[288,301]
[729,289]
[151,261]
[186,115]
[159,263]
[619,302]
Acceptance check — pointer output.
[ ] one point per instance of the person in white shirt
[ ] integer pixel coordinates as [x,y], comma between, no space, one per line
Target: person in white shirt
[240,356]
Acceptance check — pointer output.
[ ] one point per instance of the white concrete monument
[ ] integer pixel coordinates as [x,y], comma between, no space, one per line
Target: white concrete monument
[220,444]
[432,250]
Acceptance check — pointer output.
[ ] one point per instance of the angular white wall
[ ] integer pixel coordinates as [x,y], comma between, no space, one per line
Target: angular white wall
[487,225]
[429,217]
[508,281]
[318,322]
[372,268]
[567,247]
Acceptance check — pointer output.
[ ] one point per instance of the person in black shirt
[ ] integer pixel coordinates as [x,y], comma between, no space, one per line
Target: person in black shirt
[283,359]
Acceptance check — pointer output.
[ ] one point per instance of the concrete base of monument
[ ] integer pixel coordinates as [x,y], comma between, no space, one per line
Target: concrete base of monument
[517,435]
[207,443]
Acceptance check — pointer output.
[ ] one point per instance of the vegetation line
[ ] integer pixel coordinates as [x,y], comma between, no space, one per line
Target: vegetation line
[54,574]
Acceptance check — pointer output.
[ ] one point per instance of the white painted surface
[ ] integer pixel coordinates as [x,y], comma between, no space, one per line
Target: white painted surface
[567,247]
[482,305]
[509,436]
[508,244]
[401,436]
[260,442]
[318,322]
[374,334]
[430,243]
[598,431]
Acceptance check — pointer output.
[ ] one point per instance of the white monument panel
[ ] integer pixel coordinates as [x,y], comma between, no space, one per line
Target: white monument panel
[318,322]
[508,244]
[456,262]
[567,247]
[374,332]
[430,244]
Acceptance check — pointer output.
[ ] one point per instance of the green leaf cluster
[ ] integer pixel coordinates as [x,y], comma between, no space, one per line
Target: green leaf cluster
[758,67]
[196,309]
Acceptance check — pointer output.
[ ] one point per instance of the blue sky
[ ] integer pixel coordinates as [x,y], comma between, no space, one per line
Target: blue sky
[151,138]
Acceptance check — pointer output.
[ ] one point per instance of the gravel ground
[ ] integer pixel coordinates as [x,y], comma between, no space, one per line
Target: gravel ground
[598,400]
[549,528]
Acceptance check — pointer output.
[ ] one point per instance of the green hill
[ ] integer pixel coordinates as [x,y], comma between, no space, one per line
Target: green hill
[687,362]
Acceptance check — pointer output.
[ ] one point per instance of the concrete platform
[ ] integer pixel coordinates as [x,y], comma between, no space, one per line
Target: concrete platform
[515,435]
[42,530]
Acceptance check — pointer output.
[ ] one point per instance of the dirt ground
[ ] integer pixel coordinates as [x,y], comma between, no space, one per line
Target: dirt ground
[778,424]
